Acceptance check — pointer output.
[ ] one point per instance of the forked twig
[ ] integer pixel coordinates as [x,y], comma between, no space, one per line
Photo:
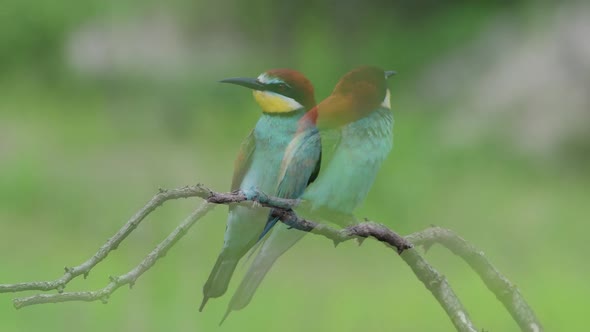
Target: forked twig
[128,278]
[111,244]
[505,291]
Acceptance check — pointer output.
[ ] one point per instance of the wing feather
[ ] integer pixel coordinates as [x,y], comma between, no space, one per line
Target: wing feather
[243,160]
[300,166]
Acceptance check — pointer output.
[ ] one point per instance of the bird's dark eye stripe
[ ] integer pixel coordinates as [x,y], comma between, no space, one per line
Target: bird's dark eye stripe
[281,85]
[280,88]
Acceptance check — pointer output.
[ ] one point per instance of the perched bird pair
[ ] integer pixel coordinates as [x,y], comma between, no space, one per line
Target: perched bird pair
[282,155]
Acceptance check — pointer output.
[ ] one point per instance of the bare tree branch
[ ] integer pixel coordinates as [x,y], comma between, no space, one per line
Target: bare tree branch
[156,201]
[437,284]
[432,279]
[428,275]
[111,244]
[505,291]
[128,278]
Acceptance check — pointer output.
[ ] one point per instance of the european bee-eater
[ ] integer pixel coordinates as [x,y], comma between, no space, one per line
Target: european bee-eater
[359,108]
[284,96]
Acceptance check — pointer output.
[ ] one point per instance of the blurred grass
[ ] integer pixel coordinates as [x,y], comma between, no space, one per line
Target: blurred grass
[79,155]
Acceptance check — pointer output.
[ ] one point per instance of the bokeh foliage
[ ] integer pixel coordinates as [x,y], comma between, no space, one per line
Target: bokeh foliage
[85,141]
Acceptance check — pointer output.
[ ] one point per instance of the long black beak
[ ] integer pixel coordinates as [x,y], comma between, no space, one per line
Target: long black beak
[389,73]
[251,83]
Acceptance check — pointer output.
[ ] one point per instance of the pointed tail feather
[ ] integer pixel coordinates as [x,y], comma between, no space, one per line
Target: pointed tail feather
[219,277]
[250,284]
[205,299]
[281,239]
[227,312]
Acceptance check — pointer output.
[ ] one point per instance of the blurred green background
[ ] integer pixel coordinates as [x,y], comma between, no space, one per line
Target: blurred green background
[104,101]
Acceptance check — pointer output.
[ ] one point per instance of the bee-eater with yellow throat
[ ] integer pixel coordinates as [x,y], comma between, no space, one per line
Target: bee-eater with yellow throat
[284,96]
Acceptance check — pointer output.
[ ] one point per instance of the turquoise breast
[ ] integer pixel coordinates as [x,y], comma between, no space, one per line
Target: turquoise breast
[345,181]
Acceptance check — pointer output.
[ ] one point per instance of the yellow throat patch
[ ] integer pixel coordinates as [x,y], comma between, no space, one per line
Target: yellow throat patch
[271,102]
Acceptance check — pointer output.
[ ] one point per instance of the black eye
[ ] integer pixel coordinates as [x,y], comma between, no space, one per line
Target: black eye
[280,88]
